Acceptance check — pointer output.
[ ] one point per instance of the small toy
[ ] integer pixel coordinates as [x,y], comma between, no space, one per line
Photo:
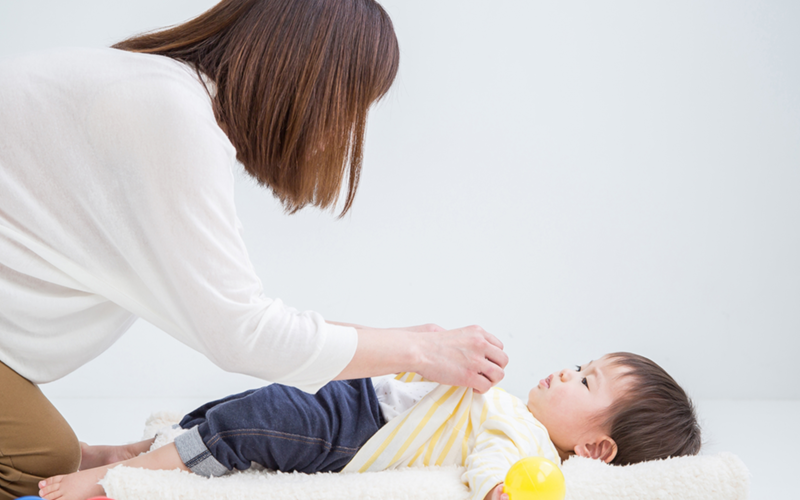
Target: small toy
[534,478]
[30,498]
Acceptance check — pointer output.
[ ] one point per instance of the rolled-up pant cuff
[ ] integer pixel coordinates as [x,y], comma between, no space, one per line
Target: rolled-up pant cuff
[195,455]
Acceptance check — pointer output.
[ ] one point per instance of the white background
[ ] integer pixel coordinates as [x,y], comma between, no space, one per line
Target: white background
[576,178]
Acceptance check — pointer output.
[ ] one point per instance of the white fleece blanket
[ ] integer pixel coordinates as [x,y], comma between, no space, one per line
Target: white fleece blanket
[705,477]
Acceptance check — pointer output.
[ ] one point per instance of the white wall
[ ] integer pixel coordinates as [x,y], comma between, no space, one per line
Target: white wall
[575,177]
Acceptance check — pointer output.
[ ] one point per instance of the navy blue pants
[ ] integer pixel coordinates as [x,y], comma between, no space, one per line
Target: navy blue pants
[281,428]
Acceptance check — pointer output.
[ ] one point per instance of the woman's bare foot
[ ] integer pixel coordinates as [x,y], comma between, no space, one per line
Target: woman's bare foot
[76,486]
[97,456]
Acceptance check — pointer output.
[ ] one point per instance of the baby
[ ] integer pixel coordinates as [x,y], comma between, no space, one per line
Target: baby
[621,409]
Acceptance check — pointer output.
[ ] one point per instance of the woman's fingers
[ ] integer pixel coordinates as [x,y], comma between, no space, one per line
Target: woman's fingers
[488,377]
[468,356]
[492,339]
[492,372]
[494,358]
[492,350]
[496,355]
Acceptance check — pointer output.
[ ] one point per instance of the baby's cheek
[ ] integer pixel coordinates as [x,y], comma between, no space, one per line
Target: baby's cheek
[560,400]
[565,406]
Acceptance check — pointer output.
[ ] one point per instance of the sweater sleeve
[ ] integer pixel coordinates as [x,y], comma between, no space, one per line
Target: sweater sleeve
[180,261]
[494,453]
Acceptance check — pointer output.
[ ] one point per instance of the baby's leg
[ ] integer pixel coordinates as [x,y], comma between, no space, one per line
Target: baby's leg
[96,456]
[83,484]
[284,429]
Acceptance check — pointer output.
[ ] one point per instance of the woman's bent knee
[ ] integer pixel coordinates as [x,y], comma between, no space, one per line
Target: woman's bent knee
[58,453]
[20,474]
[63,457]
[35,439]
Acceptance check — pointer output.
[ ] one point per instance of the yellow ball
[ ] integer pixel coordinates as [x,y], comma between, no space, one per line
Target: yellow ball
[534,478]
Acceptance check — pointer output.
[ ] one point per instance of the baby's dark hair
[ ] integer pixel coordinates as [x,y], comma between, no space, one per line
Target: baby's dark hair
[655,418]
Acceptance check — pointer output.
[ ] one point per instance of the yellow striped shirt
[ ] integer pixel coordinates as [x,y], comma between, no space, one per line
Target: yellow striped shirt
[486,433]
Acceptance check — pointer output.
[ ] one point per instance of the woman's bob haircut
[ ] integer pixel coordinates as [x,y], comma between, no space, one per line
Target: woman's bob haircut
[294,82]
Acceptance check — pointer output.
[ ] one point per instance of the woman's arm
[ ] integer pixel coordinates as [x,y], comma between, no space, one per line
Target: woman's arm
[469,356]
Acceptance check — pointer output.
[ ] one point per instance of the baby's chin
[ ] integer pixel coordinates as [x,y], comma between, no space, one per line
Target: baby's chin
[531,405]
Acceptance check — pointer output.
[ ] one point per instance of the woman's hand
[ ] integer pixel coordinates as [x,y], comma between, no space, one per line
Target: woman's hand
[496,493]
[468,356]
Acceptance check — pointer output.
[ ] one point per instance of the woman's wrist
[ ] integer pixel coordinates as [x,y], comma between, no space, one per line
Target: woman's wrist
[352,325]
[383,351]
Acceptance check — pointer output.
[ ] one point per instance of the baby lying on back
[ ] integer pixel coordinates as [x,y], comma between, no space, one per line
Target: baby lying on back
[621,409]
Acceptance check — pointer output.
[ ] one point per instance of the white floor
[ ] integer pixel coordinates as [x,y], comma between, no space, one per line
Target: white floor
[764,434]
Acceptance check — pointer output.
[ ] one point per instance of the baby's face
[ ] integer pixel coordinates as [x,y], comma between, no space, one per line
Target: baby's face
[567,402]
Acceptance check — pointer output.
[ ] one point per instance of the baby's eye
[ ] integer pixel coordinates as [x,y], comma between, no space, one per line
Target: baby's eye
[584,382]
[577,368]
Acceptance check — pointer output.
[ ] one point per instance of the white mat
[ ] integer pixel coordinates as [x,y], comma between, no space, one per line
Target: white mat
[713,477]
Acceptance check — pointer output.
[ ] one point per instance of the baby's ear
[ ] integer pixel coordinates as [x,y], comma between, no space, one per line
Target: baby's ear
[604,449]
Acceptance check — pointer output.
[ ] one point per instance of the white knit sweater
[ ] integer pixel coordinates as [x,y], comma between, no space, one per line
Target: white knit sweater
[116,202]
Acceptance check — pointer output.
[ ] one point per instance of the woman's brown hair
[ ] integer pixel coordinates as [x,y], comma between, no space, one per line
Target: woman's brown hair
[294,82]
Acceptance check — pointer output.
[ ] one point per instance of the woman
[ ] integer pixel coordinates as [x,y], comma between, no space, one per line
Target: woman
[116,202]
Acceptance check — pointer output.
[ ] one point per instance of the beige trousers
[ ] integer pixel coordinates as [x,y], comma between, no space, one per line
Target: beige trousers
[35,440]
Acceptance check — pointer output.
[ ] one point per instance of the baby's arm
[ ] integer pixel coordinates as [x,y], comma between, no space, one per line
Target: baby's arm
[503,439]
[494,453]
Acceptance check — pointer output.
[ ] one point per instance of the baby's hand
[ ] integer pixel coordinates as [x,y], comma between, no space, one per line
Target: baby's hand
[496,493]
